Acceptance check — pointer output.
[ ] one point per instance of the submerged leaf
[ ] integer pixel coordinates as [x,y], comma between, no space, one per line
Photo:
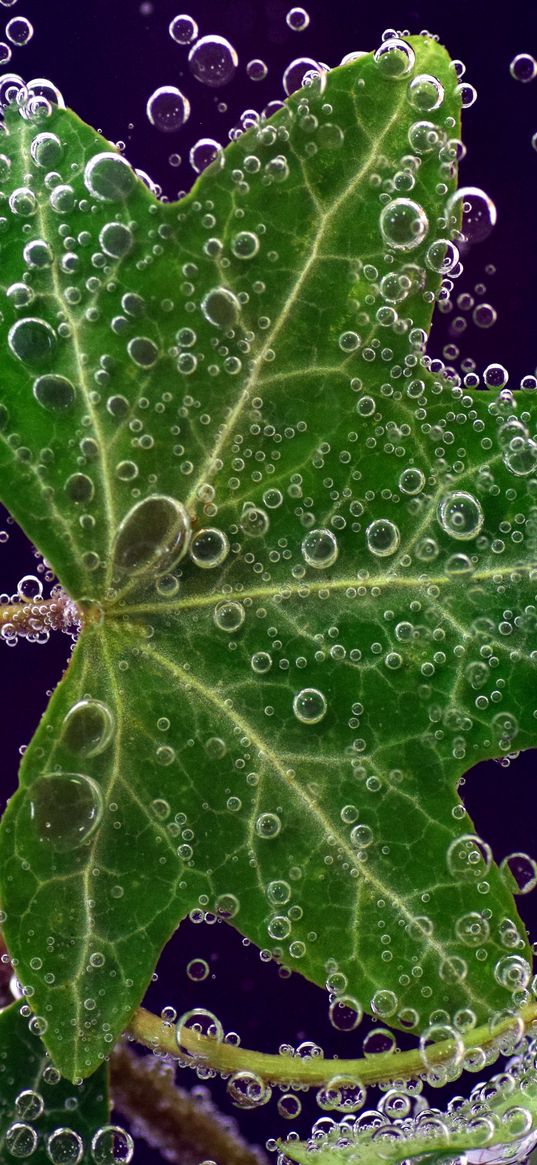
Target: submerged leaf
[303,557]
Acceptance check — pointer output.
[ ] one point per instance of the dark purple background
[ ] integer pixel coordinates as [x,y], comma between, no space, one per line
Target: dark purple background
[107,57]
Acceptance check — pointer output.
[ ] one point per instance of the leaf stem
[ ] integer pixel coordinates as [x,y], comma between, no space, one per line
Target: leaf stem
[30,620]
[151,1031]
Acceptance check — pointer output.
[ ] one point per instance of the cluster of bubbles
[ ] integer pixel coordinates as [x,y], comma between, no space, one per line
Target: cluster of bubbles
[27,615]
[110,1144]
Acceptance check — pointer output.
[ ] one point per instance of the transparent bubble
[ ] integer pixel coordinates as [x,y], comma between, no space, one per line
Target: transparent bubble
[183,29]
[411,480]
[395,59]
[221,307]
[268,825]
[379,1039]
[168,109]
[468,857]
[261,662]
[109,177]
[256,69]
[320,548]
[452,1045]
[289,1106]
[54,393]
[153,535]
[32,341]
[478,213]
[254,521]
[46,150]
[425,93]
[213,61]
[442,256]
[202,1023]
[20,1140]
[460,515]
[112,1145]
[278,892]
[204,152]
[65,809]
[197,970]
[88,727]
[310,706]
[423,137]
[245,245]
[519,872]
[472,929]
[382,537]
[523,67]
[345,1013]
[247,1090]
[403,224]
[209,548]
[495,376]
[229,616]
[297,19]
[296,71]
[19,30]
[65,1147]
[116,240]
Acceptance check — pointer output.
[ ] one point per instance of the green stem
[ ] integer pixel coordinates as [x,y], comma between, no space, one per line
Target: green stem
[151,1031]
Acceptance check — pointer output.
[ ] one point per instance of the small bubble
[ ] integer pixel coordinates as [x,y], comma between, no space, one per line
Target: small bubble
[209,548]
[65,809]
[183,29]
[65,1147]
[268,825]
[478,213]
[168,109]
[460,515]
[20,1140]
[523,67]
[213,61]
[310,706]
[395,59]
[403,224]
[382,537]
[297,19]
[229,616]
[256,70]
[204,152]
[197,970]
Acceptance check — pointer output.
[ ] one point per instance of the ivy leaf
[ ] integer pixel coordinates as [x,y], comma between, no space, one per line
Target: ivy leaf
[302,557]
[36,1103]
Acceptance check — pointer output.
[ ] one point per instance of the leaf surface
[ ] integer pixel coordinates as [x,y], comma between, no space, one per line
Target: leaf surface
[35,1101]
[277,738]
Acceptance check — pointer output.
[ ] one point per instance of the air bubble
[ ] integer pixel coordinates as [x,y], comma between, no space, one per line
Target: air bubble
[229,616]
[310,706]
[411,480]
[46,150]
[382,537]
[425,93]
[523,67]
[209,548]
[32,340]
[261,662]
[395,59]
[168,109]
[65,1147]
[460,515]
[153,536]
[293,77]
[112,1145]
[183,29]
[55,393]
[268,825]
[19,30]
[297,19]
[116,240]
[204,152]
[478,213]
[320,549]
[20,1140]
[109,177]
[403,224]
[468,858]
[221,307]
[213,61]
[88,728]
[245,245]
[65,809]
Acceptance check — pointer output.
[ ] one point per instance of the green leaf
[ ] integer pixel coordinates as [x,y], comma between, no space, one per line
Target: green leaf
[35,1101]
[183,763]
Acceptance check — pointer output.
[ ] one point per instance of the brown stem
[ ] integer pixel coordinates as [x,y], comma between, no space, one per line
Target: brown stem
[182,1128]
[29,619]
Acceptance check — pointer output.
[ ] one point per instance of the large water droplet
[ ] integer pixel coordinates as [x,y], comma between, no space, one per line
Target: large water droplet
[88,727]
[320,548]
[153,536]
[221,307]
[109,177]
[65,809]
[116,239]
[460,515]
[46,150]
[403,224]
[55,393]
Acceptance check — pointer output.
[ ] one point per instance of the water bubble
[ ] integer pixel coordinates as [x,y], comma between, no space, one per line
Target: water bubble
[256,70]
[204,152]
[37,254]
[320,548]
[460,515]
[221,307]
[310,706]
[395,58]
[254,521]
[278,892]
[213,61]
[245,245]
[478,213]
[452,1051]
[403,224]
[29,1105]
[29,588]
[523,67]
[200,1022]
[472,929]
[168,109]
[55,393]
[183,29]
[46,150]
[423,137]
[268,825]
[297,19]
[289,1106]
[379,1039]
[65,809]
[247,1090]
[468,857]
[142,351]
[197,970]
[65,1147]
[425,93]
[109,177]
[411,480]
[442,256]
[32,340]
[116,240]
[88,727]
[519,872]
[345,1013]
[382,537]
[296,71]
[229,616]
[79,488]
[209,548]
[495,376]
[19,30]
[384,1003]
[112,1145]
[153,535]
[261,662]
[20,1140]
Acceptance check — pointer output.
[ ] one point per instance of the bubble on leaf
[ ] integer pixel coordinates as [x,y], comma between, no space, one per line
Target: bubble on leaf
[245,245]
[46,150]
[268,826]
[310,706]
[153,535]
[88,727]
[382,537]
[109,177]
[116,239]
[519,873]
[65,1147]
[460,515]
[65,809]
[425,92]
[468,857]
[403,224]
[395,59]
[221,307]
[20,1140]
[319,548]
[411,480]
[209,548]
[32,340]
[112,1145]
[229,616]
[296,71]
[213,61]
[55,393]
